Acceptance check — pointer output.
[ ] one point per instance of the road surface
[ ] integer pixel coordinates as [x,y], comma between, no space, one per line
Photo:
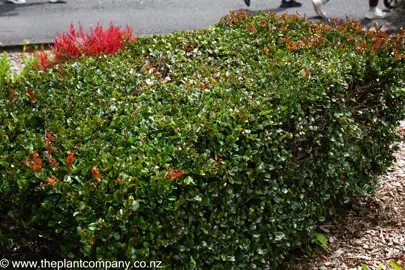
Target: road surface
[39,21]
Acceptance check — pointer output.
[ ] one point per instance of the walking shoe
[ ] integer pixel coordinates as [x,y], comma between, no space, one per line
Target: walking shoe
[247,2]
[289,4]
[17,1]
[375,14]
[318,5]
[56,1]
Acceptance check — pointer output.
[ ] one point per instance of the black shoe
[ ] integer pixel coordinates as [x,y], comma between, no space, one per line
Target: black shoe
[290,4]
[247,2]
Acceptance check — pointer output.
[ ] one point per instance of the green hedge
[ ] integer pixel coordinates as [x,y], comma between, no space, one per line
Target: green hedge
[211,148]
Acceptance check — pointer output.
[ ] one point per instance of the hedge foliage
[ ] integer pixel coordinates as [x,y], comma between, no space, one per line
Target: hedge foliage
[216,148]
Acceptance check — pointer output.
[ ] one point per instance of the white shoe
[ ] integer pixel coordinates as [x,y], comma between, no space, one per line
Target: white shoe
[56,1]
[318,5]
[17,1]
[375,14]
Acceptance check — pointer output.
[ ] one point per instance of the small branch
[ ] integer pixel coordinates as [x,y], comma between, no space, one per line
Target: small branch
[388,245]
[382,237]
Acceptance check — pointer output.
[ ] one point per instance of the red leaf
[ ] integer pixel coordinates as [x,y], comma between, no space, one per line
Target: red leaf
[29,93]
[12,95]
[36,164]
[49,135]
[38,161]
[28,162]
[36,167]
[96,175]
[51,160]
[172,176]
[51,180]
[47,140]
[94,170]
[70,158]
[218,161]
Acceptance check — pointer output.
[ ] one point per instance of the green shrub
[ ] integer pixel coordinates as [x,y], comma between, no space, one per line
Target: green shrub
[7,76]
[212,148]
[392,263]
[5,69]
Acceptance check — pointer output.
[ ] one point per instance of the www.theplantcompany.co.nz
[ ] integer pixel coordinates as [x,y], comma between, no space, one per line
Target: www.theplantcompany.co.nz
[80,264]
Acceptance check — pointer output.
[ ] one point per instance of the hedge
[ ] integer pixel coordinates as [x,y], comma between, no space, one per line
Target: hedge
[217,148]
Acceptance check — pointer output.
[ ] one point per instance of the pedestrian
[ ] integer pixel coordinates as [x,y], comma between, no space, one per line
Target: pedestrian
[373,13]
[284,3]
[23,1]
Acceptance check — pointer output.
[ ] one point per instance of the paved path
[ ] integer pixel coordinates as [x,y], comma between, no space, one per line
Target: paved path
[38,21]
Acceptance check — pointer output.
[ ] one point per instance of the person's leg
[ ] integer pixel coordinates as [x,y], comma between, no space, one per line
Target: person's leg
[290,3]
[373,3]
[247,2]
[374,12]
[318,6]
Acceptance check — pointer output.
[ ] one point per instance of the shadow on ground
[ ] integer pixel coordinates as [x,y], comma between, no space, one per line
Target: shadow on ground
[10,9]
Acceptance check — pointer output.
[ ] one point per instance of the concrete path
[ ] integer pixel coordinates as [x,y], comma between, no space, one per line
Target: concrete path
[38,21]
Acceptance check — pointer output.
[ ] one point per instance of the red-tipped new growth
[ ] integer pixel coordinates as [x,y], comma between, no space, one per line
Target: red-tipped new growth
[36,163]
[70,160]
[173,175]
[95,173]
[51,180]
[73,45]
[30,94]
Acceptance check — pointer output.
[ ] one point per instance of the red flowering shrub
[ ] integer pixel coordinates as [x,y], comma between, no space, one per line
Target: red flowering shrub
[73,45]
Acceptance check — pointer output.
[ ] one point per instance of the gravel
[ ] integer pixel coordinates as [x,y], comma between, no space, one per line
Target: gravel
[16,60]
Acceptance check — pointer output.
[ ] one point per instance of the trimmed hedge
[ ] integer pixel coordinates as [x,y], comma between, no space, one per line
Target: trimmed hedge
[215,148]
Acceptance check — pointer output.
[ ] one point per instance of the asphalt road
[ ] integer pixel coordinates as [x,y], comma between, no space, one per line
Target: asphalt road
[39,21]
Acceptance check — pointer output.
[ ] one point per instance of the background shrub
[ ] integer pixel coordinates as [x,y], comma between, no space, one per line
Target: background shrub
[212,148]
[74,44]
